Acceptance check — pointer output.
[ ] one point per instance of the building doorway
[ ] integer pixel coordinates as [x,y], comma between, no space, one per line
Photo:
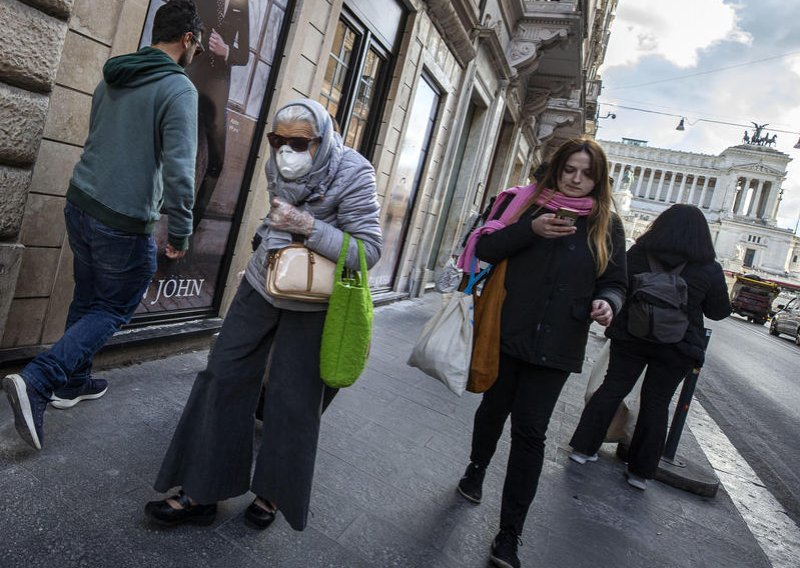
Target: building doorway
[749,257]
[399,203]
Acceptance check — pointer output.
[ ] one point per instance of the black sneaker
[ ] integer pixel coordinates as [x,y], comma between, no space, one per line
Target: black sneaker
[28,406]
[471,485]
[504,549]
[67,397]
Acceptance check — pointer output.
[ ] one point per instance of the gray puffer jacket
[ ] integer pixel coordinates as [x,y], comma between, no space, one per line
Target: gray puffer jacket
[345,201]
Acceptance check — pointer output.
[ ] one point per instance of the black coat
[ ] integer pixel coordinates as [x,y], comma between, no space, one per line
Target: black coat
[708,295]
[550,285]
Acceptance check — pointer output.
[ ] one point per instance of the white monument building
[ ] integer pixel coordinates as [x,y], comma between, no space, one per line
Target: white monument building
[739,191]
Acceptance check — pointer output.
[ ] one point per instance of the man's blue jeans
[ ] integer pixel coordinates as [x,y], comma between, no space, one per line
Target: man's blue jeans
[112,271]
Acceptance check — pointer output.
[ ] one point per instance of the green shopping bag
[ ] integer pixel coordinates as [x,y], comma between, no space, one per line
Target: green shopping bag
[348,323]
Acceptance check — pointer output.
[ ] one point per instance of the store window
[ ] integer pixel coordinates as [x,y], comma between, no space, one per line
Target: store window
[357,71]
[233,95]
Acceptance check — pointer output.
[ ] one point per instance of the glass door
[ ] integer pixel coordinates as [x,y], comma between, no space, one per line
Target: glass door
[399,203]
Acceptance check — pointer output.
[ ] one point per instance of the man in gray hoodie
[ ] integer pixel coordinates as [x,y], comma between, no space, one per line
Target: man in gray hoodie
[137,161]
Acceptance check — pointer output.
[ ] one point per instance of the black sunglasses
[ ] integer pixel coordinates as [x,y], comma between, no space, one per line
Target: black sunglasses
[296,143]
[198,47]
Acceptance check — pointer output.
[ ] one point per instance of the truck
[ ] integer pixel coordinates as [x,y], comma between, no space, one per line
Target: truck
[752,296]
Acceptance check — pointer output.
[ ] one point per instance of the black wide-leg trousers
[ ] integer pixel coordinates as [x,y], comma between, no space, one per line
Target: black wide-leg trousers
[211,453]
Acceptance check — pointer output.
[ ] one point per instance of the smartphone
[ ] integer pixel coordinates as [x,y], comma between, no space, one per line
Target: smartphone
[567,214]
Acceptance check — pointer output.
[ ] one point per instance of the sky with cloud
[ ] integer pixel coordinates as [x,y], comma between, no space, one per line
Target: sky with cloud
[656,46]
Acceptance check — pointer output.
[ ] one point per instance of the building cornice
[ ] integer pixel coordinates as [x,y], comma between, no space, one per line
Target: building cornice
[532,38]
[757,168]
[559,114]
[453,21]
[632,148]
[489,36]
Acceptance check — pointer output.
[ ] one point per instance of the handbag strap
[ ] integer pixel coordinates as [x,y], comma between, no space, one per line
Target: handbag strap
[361,274]
[474,277]
[362,261]
[337,277]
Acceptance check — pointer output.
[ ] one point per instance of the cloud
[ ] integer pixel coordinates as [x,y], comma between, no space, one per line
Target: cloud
[764,92]
[676,30]
[793,63]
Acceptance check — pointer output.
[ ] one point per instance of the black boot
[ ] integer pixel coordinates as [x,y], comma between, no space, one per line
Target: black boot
[471,485]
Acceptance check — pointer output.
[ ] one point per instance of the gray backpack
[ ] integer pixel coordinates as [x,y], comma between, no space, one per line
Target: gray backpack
[657,304]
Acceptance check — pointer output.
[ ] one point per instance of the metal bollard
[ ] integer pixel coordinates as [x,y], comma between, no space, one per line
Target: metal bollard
[682,411]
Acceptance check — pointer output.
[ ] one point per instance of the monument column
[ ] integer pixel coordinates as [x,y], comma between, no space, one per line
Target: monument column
[639,180]
[691,190]
[679,195]
[650,183]
[741,195]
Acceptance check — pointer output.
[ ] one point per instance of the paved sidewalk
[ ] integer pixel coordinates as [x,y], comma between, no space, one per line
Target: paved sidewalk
[392,449]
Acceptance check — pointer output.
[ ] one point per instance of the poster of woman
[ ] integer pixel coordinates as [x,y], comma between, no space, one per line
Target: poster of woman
[231,77]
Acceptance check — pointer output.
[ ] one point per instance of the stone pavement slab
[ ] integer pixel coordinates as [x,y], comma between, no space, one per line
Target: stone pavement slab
[391,451]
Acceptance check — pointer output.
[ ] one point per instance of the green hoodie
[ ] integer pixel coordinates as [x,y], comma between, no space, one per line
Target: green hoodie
[139,156]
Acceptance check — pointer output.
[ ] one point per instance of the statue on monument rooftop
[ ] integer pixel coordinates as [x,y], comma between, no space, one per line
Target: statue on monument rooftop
[757,139]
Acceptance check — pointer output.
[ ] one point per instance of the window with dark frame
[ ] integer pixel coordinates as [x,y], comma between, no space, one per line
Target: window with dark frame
[355,79]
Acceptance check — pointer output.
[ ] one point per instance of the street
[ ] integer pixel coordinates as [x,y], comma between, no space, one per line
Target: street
[391,451]
[750,385]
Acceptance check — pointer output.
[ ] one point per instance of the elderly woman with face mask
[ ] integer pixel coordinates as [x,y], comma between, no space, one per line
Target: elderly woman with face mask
[318,190]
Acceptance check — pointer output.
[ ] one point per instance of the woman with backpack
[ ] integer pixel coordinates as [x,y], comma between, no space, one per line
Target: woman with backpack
[561,274]
[677,244]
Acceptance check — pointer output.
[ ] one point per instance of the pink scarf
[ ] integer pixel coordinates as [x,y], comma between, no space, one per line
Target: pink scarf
[519,196]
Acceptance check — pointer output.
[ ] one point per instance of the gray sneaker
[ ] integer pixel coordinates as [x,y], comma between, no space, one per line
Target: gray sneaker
[635,480]
[28,406]
[580,458]
[67,397]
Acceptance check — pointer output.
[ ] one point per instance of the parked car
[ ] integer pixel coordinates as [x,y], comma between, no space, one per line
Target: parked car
[787,320]
[782,300]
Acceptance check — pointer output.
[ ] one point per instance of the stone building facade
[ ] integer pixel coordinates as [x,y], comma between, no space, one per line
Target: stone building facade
[739,191]
[452,101]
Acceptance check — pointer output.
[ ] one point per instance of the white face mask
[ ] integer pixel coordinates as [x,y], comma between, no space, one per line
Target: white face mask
[291,164]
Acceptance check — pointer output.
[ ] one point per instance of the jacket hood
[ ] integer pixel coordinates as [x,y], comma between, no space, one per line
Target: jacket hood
[669,260]
[134,69]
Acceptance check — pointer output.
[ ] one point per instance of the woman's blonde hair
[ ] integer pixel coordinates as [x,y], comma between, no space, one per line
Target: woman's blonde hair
[600,218]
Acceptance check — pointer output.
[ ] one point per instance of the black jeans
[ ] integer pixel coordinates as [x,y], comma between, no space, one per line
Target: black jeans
[529,393]
[666,368]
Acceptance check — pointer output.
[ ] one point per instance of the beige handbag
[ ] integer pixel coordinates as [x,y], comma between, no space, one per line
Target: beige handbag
[297,273]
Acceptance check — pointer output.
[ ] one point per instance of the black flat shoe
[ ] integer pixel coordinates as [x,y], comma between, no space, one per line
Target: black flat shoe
[162,513]
[257,517]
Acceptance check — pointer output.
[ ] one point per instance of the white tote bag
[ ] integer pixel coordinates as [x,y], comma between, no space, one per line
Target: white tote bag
[624,421]
[444,347]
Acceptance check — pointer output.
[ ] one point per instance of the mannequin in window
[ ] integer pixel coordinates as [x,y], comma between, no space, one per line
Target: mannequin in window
[227,43]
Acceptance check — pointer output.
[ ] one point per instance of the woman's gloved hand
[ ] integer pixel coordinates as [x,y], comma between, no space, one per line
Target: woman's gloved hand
[286,217]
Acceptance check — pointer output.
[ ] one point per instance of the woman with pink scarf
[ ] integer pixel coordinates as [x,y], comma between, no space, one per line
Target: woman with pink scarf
[561,274]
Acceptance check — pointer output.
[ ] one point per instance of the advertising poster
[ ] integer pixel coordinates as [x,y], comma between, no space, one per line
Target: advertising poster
[231,77]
